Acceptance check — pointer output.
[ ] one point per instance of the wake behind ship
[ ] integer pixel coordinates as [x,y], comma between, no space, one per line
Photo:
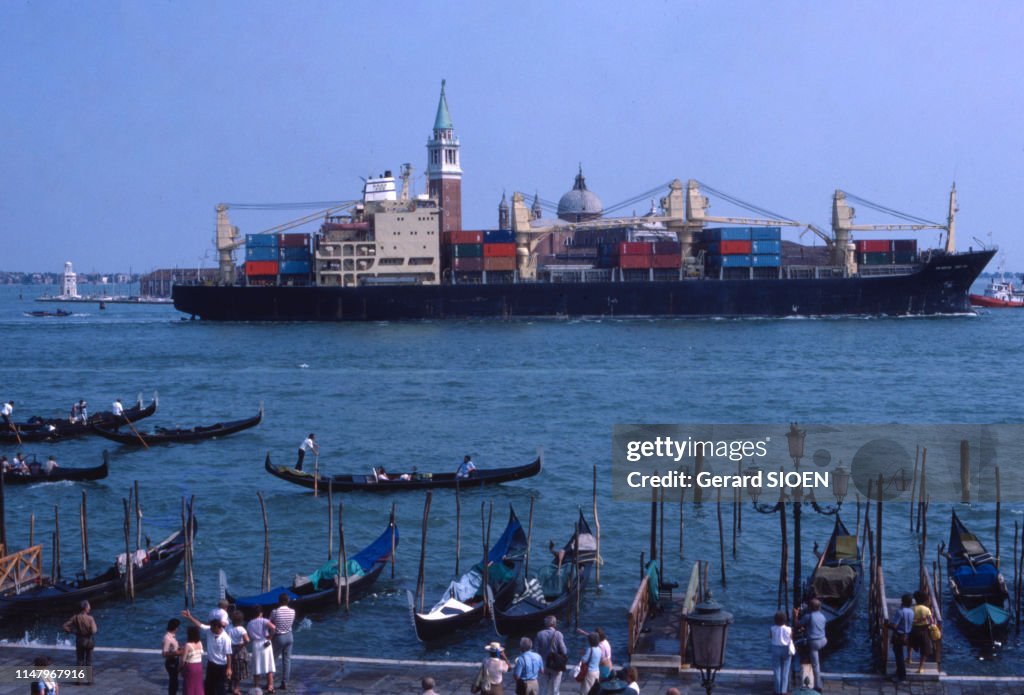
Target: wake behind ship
[389,256]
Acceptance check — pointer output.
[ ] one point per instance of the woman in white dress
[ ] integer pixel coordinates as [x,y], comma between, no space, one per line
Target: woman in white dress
[260,630]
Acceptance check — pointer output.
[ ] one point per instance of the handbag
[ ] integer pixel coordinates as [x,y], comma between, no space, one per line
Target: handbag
[792,648]
[581,671]
[935,631]
[481,684]
[556,661]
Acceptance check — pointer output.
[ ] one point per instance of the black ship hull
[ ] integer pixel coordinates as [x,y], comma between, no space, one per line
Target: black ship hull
[939,287]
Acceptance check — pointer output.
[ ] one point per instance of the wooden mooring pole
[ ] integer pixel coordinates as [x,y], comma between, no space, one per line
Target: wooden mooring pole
[342,556]
[265,578]
[913,486]
[721,536]
[597,539]
[392,521]
[458,527]
[965,472]
[83,525]
[129,564]
[999,514]
[423,552]
[529,540]
[682,504]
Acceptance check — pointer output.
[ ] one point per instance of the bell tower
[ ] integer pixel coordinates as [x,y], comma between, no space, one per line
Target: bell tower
[444,169]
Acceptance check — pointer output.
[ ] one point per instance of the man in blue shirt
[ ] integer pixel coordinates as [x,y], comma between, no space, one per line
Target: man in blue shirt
[466,468]
[528,666]
[901,624]
[813,622]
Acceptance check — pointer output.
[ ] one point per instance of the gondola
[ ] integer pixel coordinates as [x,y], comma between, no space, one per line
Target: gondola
[553,589]
[319,590]
[36,473]
[39,429]
[977,586]
[837,579]
[462,604]
[161,435]
[152,566]
[416,480]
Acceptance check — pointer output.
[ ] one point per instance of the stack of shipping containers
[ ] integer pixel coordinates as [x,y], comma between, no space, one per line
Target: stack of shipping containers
[476,256]
[885,251]
[261,259]
[636,260]
[296,259]
[743,252]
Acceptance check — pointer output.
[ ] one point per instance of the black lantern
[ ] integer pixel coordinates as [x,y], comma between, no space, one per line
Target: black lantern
[753,489]
[901,482]
[708,625]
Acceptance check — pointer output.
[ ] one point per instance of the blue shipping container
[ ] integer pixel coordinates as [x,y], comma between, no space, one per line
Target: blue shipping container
[731,261]
[294,253]
[727,234]
[294,268]
[766,260]
[261,253]
[269,240]
[499,236]
[765,233]
[763,246]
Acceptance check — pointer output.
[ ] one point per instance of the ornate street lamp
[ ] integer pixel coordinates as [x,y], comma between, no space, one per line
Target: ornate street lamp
[708,624]
[795,438]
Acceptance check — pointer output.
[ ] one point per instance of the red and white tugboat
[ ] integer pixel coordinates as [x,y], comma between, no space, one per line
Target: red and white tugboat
[999,295]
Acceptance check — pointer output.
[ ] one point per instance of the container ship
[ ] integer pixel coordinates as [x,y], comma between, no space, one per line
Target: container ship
[394,256]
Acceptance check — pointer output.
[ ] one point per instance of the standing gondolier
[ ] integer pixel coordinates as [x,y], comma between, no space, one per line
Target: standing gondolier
[308,444]
[117,408]
[6,411]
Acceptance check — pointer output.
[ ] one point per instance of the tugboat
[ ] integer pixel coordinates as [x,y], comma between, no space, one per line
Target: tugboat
[999,295]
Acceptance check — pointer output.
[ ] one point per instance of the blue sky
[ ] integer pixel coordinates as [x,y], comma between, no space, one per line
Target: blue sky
[124,124]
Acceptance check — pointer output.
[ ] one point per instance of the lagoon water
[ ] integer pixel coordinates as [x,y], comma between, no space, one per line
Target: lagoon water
[426,393]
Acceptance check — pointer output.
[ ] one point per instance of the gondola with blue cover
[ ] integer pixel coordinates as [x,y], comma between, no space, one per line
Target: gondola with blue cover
[976,585]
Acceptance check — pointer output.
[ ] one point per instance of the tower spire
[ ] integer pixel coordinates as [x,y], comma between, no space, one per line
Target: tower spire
[443,121]
[444,170]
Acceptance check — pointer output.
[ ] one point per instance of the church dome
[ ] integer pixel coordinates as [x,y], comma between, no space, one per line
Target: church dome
[579,204]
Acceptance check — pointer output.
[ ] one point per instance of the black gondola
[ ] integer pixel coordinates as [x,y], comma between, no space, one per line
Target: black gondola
[39,429]
[553,590]
[978,587]
[161,435]
[395,481]
[62,596]
[837,579]
[463,602]
[319,590]
[37,473]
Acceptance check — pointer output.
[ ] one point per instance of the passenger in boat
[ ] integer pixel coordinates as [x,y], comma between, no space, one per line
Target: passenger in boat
[308,444]
[382,475]
[83,412]
[117,408]
[19,466]
[466,468]
[50,465]
[5,465]
[75,412]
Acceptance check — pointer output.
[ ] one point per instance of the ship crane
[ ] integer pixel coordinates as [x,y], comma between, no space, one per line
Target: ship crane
[228,239]
[843,215]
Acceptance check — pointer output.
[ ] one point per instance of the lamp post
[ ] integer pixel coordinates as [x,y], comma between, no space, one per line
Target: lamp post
[795,438]
[709,625]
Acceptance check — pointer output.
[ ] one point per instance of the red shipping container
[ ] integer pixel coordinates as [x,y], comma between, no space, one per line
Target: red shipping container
[499,250]
[666,261]
[731,248]
[468,264]
[905,245]
[635,248]
[499,263]
[464,237]
[289,240]
[635,261]
[872,246]
[261,268]
[663,248]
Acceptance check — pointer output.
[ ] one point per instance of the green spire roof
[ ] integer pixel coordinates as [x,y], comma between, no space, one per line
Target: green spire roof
[443,120]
